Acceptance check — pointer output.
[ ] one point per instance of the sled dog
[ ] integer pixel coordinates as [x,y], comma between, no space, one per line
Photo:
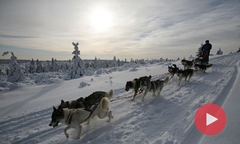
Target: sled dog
[172,70]
[73,118]
[71,104]
[155,86]
[202,67]
[187,74]
[187,64]
[137,83]
[94,98]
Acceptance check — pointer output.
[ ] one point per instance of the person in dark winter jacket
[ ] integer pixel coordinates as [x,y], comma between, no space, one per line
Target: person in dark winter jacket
[206,48]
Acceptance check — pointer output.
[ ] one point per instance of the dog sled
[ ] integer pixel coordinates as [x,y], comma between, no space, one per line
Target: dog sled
[201,62]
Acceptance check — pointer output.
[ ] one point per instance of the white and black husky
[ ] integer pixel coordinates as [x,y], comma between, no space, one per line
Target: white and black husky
[137,84]
[187,64]
[187,74]
[155,86]
[172,70]
[73,118]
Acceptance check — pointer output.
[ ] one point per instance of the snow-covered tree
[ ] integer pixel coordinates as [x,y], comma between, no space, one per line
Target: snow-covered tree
[15,74]
[219,52]
[118,62]
[54,66]
[199,50]
[77,69]
[39,68]
[114,62]
[32,67]
[191,57]
[47,66]
[96,63]
[132,61]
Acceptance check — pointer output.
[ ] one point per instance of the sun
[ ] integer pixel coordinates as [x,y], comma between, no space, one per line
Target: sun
[101,19]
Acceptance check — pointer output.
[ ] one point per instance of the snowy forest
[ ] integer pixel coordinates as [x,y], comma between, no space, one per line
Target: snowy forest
[34,71]
[14,72]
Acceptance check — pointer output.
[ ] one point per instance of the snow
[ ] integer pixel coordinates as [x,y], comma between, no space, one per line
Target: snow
[25,111]
[232,130]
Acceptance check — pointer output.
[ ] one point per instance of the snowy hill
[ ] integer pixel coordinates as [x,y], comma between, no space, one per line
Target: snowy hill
[26,112]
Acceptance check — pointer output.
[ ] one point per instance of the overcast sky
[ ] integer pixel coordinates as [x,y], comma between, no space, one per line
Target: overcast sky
[42,29]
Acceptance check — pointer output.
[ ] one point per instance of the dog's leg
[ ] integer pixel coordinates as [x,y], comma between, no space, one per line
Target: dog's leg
[190,76]
[135,93]
[145,93]
[153,93]
[88,121]
[160,91]
[180,78]
[65,131]
[171,76]
[109,116]
[79,130]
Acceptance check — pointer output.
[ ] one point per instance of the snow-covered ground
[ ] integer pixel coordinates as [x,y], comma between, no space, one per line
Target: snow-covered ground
[168,119]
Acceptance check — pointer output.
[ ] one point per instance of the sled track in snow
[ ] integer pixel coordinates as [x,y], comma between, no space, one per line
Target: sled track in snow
[38,121]
[193,135]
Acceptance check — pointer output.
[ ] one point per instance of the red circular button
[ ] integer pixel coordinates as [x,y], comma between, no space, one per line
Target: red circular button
[210,119]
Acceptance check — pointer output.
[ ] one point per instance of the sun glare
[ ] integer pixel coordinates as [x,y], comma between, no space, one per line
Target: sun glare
[101,19]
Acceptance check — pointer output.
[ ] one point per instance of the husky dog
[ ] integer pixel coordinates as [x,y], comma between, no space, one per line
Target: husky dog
[155,86]
[71,104]
[136,84]
[95,97]
[187,74]
[202,67]
[73,118]
[187,64]
[172,70]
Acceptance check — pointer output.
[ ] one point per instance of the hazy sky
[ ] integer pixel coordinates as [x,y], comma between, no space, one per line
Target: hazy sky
[42,29]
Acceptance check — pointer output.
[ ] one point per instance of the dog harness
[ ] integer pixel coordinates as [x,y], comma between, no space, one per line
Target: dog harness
[91,111]
[71,111]
[69,117]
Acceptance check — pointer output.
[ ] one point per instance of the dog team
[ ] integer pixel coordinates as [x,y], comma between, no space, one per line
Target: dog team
[74,113]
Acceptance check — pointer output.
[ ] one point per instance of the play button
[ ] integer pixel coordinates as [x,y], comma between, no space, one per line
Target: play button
[210,119]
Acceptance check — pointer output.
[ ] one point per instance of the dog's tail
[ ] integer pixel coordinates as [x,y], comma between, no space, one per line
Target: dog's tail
[166,80]
[104,103]
[109,94]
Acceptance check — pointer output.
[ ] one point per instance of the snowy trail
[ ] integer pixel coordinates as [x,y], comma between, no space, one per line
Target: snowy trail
[193,135]
[231,106]
[165,119]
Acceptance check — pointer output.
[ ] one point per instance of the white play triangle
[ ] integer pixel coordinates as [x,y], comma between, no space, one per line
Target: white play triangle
[210,119]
